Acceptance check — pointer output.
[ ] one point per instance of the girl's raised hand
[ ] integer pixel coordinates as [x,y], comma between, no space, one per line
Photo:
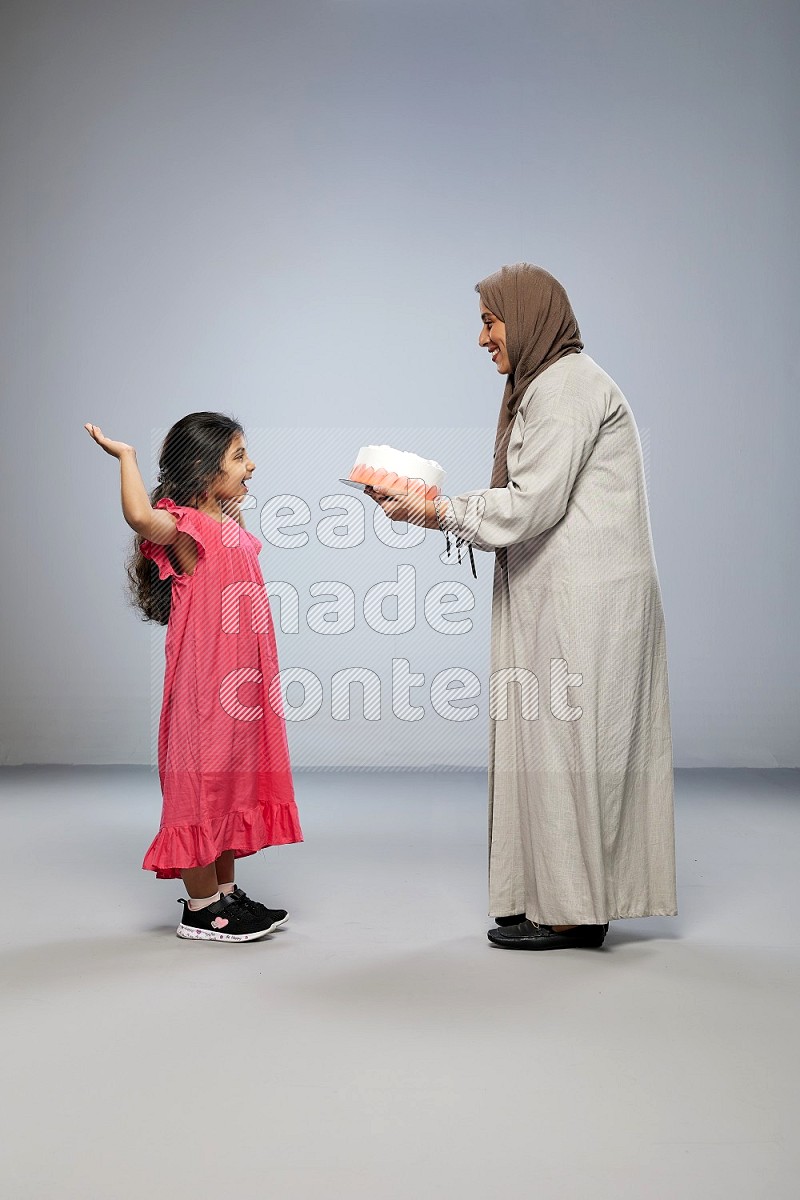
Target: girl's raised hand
[115,449]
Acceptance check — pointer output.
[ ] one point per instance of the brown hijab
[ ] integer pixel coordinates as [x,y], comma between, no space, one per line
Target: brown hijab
[540,329]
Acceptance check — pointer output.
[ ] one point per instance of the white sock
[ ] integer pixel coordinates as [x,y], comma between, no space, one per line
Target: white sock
[196,905]
[226,888]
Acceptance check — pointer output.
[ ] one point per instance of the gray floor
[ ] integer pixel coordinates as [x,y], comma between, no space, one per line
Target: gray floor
[378,1047]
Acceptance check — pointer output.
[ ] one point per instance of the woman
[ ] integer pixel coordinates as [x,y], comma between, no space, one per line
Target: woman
[581,823]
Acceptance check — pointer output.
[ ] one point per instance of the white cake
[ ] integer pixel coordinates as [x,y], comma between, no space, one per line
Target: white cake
[397,470]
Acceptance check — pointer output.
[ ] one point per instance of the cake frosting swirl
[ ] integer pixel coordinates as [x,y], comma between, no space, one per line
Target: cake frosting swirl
[397,470]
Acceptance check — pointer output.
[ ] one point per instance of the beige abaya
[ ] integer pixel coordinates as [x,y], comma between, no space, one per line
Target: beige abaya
[581,826]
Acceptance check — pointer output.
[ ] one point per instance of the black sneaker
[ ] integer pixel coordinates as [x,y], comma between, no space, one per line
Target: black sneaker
[273,917]
[226,920]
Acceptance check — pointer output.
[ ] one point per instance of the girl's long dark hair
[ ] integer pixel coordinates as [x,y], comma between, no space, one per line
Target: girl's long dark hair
[191,456]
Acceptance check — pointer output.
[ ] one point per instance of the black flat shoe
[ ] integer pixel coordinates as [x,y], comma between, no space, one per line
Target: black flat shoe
[527,936]
[515,920]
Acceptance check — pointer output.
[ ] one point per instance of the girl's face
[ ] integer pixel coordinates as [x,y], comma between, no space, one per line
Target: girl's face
[237,467]
[493,337]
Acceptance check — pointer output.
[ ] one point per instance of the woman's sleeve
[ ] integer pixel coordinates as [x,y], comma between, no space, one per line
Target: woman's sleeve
[188,521]
[554,449]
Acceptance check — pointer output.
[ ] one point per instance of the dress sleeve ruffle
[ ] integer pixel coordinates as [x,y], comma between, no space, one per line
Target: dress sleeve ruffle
[189,521]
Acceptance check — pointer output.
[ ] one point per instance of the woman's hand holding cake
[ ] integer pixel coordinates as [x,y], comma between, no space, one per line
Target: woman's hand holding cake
[406,506]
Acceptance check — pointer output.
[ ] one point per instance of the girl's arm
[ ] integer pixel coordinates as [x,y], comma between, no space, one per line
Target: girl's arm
[152,523]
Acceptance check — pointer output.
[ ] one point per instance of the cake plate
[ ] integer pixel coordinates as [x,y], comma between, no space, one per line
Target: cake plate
[363,486]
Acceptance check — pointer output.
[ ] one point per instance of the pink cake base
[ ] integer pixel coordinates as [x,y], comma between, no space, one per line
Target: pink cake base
[379,477]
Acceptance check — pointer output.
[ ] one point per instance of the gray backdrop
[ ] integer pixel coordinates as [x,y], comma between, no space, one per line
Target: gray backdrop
[279,210]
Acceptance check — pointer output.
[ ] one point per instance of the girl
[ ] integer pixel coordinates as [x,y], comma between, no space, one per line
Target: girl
[223,759]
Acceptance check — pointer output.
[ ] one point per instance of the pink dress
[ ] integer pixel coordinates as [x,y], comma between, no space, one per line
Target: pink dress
[223,758]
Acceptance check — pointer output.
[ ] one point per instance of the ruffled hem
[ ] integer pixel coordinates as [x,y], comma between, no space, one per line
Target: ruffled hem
[177,848]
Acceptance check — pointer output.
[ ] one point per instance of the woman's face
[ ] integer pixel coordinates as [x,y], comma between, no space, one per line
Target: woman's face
[493,337]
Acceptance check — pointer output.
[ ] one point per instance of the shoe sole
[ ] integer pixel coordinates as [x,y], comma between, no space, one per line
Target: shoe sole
[212,935]
[278,924]
[540,946]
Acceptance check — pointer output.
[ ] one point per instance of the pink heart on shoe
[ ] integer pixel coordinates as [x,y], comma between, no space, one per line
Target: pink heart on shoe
[219,922]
